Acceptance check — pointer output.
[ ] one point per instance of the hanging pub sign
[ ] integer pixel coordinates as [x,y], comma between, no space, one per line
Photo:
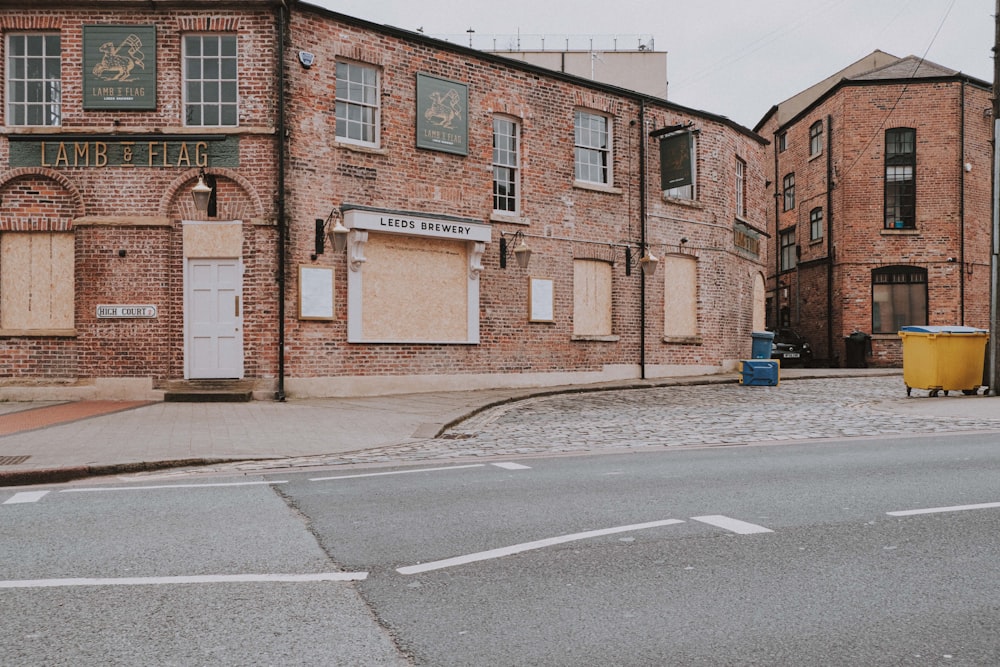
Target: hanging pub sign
[119,67]
[675,161]
[442,115]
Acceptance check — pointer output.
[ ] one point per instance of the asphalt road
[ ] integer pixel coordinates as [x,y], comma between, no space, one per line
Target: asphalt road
[855,552]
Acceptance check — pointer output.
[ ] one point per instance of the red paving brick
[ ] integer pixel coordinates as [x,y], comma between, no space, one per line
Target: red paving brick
[27,420]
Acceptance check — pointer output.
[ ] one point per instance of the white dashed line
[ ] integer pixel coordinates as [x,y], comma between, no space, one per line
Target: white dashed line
[396,472]
[528,546]
[732,525]
[195,579]
[512,466]
[937,510]
[25,497]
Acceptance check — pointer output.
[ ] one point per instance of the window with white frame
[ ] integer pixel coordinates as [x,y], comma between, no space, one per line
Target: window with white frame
[592,140]
[506,165]
[357,104]
[816,138]
[34,79]
[210,81]
[741,188]
[816,224]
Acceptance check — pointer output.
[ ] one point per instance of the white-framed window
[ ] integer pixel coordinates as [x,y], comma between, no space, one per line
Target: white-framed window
[592,147]
[357,104]
[34,79]
[210,81]
[506,165]
[741,188]
[816,138]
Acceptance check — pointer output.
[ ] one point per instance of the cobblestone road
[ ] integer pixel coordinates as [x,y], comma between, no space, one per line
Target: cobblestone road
[635,419]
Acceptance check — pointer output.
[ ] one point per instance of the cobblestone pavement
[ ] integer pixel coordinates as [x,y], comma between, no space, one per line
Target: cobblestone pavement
[636,419]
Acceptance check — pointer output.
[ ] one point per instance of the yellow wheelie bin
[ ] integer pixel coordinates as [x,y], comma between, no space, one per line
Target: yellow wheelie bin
[943,358]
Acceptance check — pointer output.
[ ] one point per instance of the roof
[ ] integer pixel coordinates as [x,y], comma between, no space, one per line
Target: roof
[909,67]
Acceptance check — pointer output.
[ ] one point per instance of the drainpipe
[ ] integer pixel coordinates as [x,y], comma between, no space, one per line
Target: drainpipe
[961,209]
[829,236]
[282,27]
[777,232]
[642,237]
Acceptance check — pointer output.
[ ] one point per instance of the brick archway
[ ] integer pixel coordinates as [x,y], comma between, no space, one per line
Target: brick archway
[38,199]
[238,199]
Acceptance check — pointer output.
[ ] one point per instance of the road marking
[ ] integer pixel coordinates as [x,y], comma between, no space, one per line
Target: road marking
[954,508]
[168,486]
[194,579]
[528,546]
[732,525]
[512,466]
[25,497]
[397,472]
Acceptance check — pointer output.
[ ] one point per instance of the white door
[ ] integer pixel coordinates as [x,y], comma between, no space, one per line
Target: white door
[214,318]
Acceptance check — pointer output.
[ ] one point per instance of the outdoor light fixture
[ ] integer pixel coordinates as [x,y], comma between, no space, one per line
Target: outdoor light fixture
[521,251]
[201,192]
[337,233]
[647,262]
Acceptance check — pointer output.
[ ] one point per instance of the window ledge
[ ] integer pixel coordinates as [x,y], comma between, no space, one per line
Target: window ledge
[597,187]
[683,340]
[598,339]
[37,333]
[900,232]
[815,155]
[510,219]
[361,148]
[683,201]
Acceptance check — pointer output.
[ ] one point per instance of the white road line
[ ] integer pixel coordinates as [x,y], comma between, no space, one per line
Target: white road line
[528,546]
[512,466]
[194,579]
[397,472]
[732,525]
[25,497]
[954,508]
[168,486]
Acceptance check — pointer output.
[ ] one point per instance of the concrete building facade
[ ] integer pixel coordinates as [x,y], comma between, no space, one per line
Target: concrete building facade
[880,209]
[435,165]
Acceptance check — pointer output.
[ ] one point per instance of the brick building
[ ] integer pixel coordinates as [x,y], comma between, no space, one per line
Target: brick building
[880,215]
[433,163]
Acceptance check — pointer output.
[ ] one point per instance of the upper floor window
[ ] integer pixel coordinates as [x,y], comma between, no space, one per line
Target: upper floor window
[357,104]
[506,165]
[789,253]
[788,187]
[816,138]
[34,79]
[900,180]
[899,298]
[592,140]
[782,142]
[816,224]
[210,83]
[741,188]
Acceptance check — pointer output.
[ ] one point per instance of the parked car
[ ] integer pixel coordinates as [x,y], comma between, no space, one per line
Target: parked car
[790,347]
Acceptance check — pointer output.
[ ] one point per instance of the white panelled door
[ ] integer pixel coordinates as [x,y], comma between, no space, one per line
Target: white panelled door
[214,318]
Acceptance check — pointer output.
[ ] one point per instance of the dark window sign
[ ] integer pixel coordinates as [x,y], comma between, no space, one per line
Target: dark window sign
[442,115]
[675,161]
[151,152]
[119,67]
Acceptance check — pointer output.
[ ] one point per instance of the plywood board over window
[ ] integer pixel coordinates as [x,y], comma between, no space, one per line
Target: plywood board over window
[591,298]
[36,281]
[680,310]
[415,290]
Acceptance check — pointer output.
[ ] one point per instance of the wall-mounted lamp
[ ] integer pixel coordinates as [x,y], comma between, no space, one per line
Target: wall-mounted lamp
[647,262]
[201,192]
[521,251]
[332,228]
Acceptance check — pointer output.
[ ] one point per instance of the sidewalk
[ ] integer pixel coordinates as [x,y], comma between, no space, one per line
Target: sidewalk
[55,442]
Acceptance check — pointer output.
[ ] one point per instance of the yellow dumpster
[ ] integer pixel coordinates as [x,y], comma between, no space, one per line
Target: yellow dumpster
[943,358]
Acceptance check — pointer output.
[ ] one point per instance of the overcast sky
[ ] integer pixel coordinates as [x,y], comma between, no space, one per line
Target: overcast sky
[734,58]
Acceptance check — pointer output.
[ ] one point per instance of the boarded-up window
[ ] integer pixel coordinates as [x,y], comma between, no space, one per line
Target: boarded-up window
[36,280]
[591,298]
[415,290]
[680,280]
